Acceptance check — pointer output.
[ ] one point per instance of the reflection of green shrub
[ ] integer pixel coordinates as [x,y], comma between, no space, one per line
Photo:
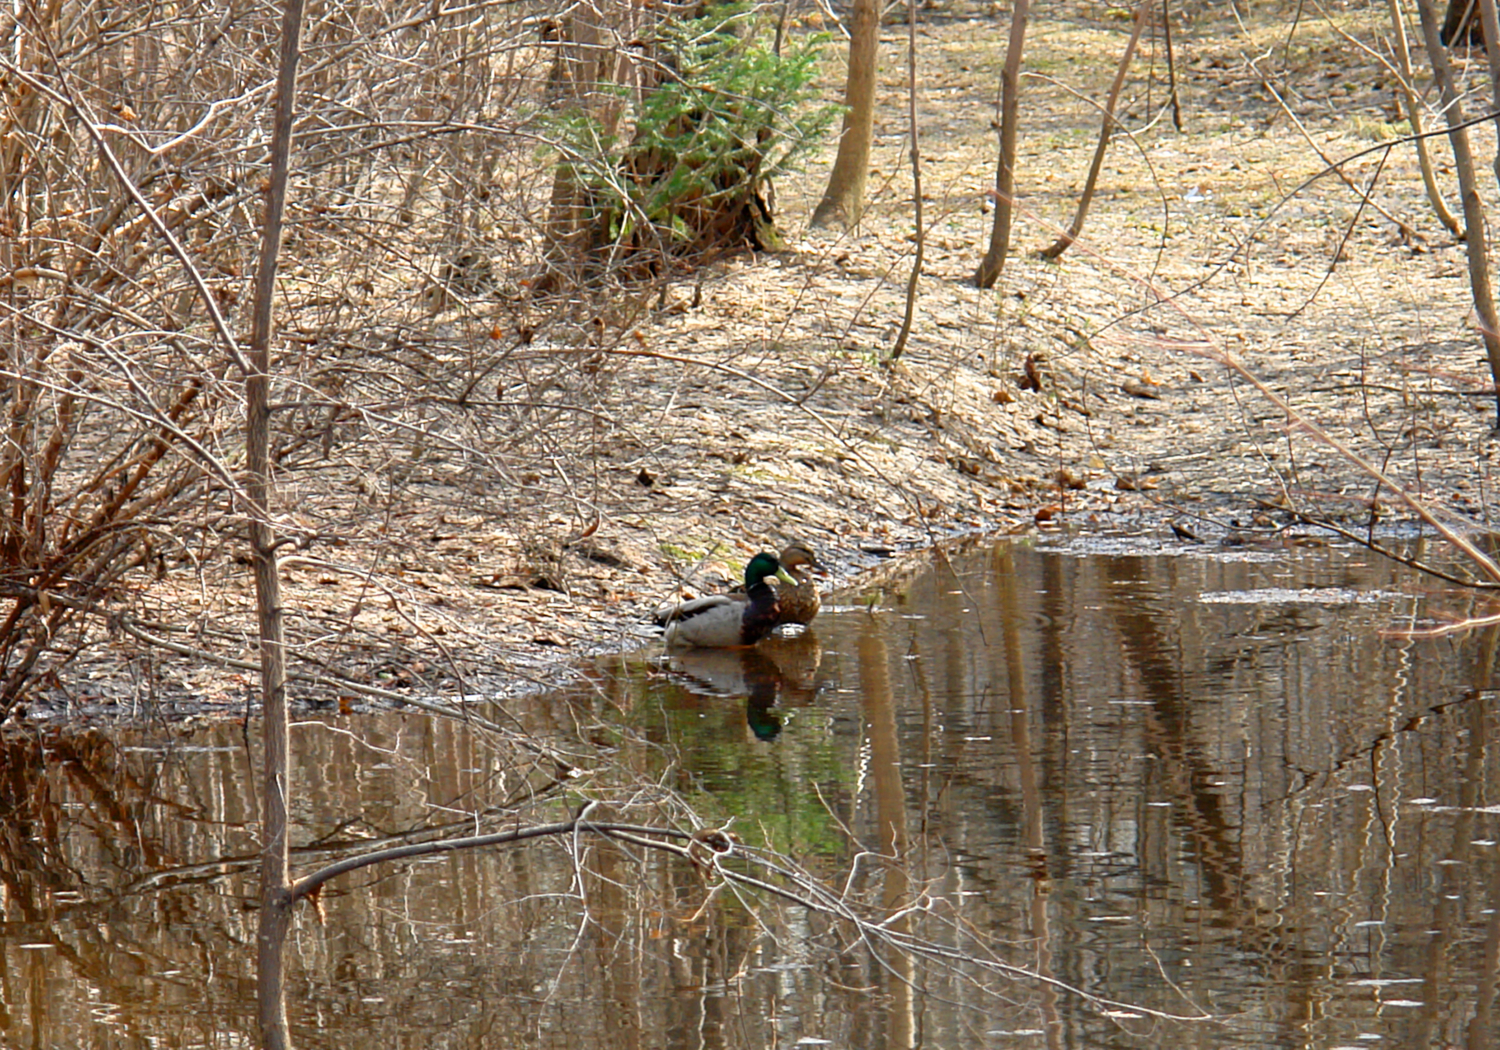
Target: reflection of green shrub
[725,115]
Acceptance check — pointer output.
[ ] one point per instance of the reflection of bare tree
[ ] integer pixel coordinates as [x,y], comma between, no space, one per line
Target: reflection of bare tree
[892,839]
[1187,779]
[1185,776]
[1482,1029]
[1268,862]
[1454,897]
[399,939]
[1033,829]
[106,793]
[80,817]
[613,965]
[715,943]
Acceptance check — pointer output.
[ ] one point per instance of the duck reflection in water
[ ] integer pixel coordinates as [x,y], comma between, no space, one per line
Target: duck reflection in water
[777,674]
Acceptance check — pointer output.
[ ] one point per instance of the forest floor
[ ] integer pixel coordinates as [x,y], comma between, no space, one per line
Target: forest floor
[1216,240]
[753,403]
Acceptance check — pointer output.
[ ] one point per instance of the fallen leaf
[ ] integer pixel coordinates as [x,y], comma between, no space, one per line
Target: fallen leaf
[1032,379]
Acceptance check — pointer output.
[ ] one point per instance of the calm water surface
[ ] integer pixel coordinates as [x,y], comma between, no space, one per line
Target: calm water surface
[1196,783]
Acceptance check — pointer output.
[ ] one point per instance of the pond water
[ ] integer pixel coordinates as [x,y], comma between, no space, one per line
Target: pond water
[1077,790]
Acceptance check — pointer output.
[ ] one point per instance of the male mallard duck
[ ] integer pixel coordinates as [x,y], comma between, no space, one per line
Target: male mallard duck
[722,621]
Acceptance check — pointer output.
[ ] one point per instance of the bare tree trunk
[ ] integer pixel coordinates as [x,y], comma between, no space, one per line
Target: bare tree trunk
[1458,26]
[1491,25]
[275,874]
[1076,227]
[1476,247]
[586,61]
[916,183]
[844,200]
[1166,35]
[1005,176]
[1413,109]
[567,86]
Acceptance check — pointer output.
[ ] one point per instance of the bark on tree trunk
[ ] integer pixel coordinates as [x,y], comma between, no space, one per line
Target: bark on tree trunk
[1476,246]
[1063,243]
[275,897]
[844,200]
[586,60]
[1413,108]
[1491,23]
[1460,27]
[1005,176]
[915,277]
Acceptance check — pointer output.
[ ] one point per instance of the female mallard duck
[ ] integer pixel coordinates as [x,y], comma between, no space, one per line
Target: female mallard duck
[799,602]
[722,621]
